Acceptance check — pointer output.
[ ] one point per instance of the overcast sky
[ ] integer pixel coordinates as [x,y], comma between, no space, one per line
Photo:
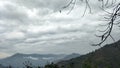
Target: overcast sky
[37,26]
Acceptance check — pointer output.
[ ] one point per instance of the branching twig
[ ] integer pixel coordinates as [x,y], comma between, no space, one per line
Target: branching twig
[107,32]
[112,18]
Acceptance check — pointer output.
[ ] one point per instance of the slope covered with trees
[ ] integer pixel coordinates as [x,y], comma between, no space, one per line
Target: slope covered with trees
[106,57]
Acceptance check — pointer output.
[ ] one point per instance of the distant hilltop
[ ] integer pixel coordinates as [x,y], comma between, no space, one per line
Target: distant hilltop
[18,59]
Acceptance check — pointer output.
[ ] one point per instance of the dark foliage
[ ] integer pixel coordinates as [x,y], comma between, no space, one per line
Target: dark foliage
[52,65]
[105,57]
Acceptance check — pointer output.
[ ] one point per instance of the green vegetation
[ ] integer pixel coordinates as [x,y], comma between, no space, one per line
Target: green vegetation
[27,64]
[106,57]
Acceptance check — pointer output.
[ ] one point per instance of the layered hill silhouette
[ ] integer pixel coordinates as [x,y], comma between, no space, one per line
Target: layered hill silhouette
[107,56]
[18,59]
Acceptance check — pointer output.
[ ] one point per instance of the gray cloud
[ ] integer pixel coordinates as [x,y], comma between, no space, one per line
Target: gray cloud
[36,26]
[52,4]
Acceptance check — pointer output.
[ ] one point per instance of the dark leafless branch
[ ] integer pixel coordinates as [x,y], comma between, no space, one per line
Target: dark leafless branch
[112,16]
[107,32]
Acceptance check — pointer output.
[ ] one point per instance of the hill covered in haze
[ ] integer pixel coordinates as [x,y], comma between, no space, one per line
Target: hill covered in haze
[107,56]
[18,59]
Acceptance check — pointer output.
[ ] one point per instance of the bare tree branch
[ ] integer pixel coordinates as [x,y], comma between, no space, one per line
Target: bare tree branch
[107,32]
[112,17]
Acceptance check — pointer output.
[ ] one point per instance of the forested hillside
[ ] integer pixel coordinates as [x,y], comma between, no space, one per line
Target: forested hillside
[106,57]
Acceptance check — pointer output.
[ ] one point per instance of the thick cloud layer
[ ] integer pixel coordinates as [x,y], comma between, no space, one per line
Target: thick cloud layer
[37,26]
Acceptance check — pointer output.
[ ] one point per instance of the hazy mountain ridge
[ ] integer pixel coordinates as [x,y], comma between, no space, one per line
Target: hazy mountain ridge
[106,57]
[18,59]
[73,55]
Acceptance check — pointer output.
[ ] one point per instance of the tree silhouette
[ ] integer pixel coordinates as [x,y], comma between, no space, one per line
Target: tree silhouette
[27,64]
[52,65]
[112,17]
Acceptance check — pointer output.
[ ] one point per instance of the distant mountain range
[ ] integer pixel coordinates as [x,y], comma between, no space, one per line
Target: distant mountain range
[107,56]
[18,60]
[68,57]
